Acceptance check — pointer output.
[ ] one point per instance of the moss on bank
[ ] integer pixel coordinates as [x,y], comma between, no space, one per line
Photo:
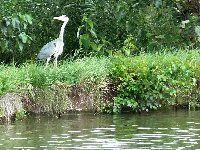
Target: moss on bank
[142,83]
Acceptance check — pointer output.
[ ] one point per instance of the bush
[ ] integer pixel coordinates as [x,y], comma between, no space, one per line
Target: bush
[150,81]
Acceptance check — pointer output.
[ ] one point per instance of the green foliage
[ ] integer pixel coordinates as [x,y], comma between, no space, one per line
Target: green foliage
[7,78]
[31,26]
[103,26]
[143,83]
[13,35]
[150,81]
[20,114]
[197,31]
[129,46]
[89,43]
[48,87]
[143,20]
[69,72]
[154,25]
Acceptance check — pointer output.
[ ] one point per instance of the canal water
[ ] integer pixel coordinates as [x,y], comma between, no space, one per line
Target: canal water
[157,130]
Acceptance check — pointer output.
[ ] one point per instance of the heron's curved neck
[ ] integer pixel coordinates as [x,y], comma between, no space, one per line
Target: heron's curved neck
[62,31]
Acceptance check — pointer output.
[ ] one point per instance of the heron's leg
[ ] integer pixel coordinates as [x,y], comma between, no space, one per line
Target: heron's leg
[48,59]
[55,61]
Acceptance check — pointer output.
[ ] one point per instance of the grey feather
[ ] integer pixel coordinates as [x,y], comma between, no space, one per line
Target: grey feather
[49,49]
[55,47]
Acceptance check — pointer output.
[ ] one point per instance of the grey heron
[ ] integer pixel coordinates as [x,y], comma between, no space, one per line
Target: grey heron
[55,47]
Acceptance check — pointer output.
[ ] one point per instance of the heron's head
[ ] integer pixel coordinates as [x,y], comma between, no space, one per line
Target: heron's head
[63,18]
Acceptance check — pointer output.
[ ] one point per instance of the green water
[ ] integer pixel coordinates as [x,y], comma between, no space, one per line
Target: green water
[158,130]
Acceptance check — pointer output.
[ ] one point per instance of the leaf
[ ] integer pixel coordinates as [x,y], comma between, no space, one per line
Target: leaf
[7,21]
[28,18]
[160,36]
[15,22]
[3,45]
[84,18]
[93,33]
[197,31]
[127,51]
[158,3]
[21,45]
[90,22]
[23,37]
[94,46]
[85,41]
[100,46]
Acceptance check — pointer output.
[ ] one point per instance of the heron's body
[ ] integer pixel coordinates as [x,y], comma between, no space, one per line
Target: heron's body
[55,47]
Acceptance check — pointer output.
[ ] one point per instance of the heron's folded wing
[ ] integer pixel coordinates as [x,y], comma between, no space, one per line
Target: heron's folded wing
[48,50]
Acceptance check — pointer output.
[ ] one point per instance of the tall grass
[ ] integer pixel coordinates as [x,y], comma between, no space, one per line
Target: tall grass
[69,72]
[48,87]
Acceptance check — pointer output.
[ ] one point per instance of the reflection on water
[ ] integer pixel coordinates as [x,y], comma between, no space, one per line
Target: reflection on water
[159,130]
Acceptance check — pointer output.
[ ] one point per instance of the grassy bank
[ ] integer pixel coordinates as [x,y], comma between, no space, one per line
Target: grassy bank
[73,85]
[139,83]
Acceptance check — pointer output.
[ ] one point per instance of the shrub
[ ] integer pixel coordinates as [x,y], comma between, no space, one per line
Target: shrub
[150,81]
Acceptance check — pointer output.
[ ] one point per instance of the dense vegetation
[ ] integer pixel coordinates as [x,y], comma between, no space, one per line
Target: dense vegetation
[97,27]
[150,81]
[140,51]
[47,90]
[141,83]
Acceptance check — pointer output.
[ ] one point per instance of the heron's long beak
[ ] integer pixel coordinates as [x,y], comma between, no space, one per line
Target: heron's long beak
[55,17]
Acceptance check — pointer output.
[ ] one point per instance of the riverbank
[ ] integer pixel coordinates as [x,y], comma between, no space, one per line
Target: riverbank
[137,83]
[74,85]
